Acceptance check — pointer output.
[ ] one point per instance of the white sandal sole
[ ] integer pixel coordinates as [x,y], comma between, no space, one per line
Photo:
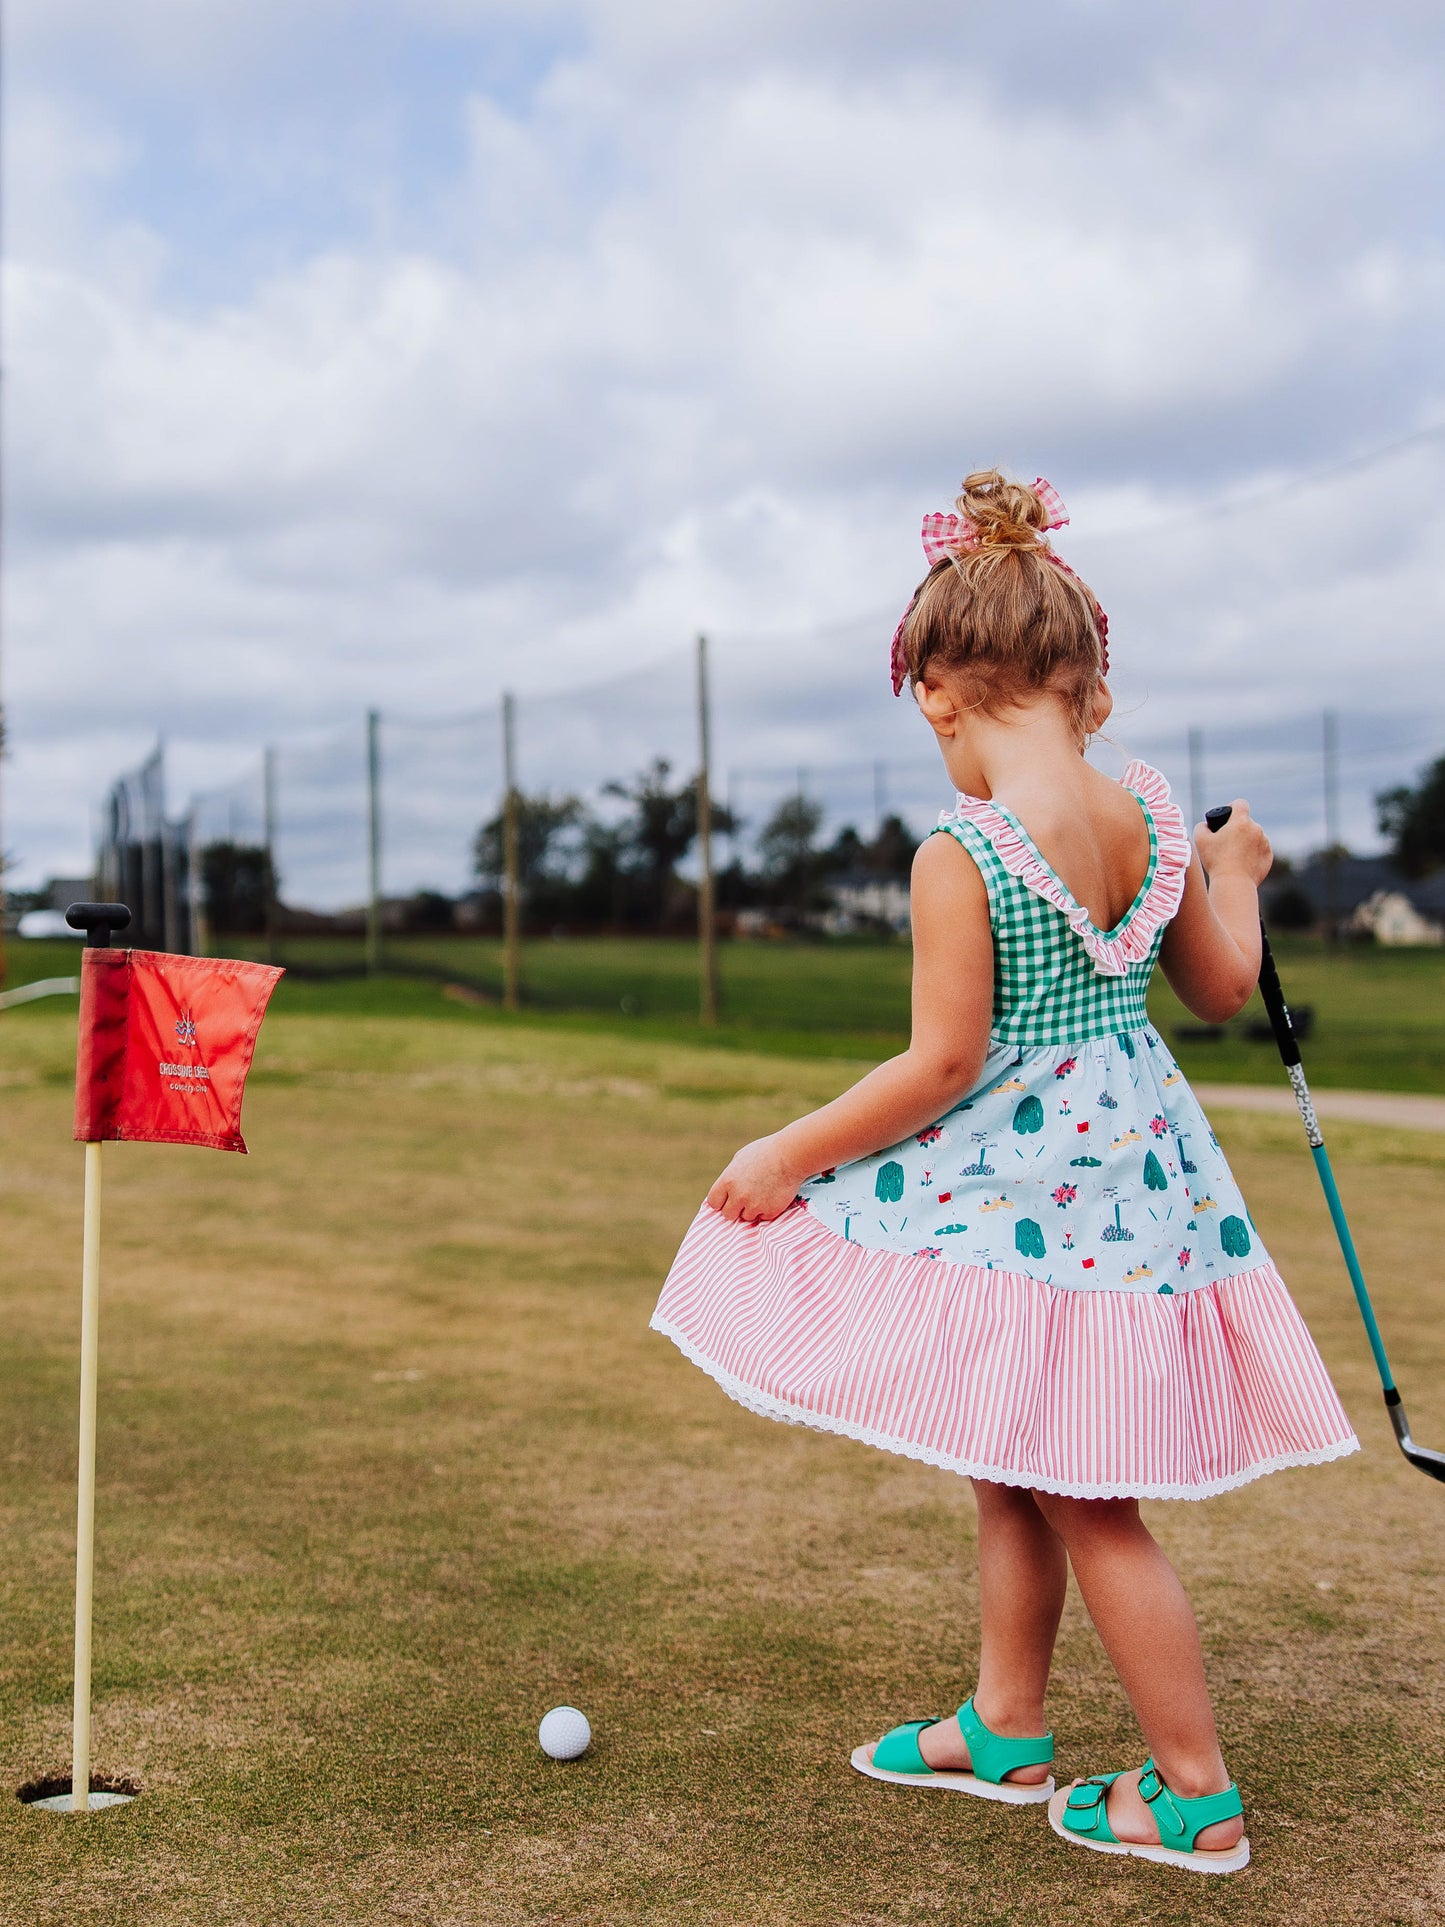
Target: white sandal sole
[1202,1860]
[1008,1791]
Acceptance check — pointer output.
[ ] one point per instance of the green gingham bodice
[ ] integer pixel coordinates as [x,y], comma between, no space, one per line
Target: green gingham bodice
[1057,978]
[1080,1157]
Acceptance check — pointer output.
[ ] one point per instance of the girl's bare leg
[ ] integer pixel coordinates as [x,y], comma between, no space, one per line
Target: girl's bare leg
[1022,1572]
[1147,1625]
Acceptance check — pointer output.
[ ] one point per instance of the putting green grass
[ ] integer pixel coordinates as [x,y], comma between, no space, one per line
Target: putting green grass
[390,1464]
[1377,1012]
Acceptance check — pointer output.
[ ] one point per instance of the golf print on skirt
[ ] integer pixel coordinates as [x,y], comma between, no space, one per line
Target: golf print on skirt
[165,1045]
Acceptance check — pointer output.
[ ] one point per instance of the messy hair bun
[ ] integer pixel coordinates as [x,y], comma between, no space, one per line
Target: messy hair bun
[1003,514]
[1001,613]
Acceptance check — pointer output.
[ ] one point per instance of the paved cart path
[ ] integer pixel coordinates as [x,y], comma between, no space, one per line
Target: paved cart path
[1407,1111]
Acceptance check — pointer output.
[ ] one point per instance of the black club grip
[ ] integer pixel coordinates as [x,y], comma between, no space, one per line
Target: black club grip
[1270,988]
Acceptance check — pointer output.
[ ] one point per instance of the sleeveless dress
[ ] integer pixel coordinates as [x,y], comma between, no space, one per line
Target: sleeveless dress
[1057,1284]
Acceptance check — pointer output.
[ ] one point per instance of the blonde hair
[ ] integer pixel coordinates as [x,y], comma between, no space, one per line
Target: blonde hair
[1004,618]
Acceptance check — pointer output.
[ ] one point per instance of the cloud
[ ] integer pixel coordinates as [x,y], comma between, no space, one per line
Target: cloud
[682,326]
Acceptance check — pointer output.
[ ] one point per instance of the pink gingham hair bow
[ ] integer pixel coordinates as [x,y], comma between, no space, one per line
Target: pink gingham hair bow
[945,535]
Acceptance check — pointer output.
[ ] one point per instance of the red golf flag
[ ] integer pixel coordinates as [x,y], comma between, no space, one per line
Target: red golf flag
[165,1045]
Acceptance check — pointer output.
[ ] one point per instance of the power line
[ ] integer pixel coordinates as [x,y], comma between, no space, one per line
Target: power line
[1218,509]
[1227,505]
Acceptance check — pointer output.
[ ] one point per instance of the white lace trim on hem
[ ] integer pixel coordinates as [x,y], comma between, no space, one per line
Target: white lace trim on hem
[766,1406]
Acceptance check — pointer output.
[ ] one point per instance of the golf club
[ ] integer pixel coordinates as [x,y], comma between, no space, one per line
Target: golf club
[1430,1463]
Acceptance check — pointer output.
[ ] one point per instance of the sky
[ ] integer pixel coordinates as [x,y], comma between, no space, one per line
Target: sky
[398,352]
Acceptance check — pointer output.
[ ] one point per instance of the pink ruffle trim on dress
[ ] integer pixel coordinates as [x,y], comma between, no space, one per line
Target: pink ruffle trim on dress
[1112,952]
[1090,1394]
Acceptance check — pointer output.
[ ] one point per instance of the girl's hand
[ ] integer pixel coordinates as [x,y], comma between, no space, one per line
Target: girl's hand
[758,1185]
[1211,949]
[1240,848]
[952,1008]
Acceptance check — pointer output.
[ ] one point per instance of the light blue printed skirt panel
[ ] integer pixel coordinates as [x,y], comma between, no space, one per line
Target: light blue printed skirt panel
[1089,1167]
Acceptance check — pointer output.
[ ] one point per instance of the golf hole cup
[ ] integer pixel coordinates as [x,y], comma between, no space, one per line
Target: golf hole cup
[53,1794]
[564,1734]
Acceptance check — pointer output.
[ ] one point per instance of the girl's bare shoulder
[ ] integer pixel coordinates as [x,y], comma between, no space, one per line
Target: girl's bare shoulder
[943,868]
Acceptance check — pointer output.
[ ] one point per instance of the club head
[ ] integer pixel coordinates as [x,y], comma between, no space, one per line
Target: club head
[1432,1464]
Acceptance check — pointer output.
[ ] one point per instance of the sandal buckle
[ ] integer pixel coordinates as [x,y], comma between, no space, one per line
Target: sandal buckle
[1090,1809]
[1161,1793]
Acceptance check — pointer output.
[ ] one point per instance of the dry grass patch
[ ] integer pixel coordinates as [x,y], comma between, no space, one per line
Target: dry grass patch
[390,1464]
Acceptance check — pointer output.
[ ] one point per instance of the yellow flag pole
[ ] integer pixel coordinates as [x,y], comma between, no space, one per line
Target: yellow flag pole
[97,920]
[85,1502]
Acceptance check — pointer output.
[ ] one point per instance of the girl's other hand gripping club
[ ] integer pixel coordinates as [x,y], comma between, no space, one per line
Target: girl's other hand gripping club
[1239,847]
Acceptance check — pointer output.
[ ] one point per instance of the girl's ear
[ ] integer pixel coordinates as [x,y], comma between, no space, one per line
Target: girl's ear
[1103,707]
[940,711]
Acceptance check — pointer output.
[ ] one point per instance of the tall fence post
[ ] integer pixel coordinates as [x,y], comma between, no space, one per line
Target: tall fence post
[706,893]
[153,849]
[512,864]
[3,885]
[1332,819]
[195,887]
[373,839]
[170,906]
[268,814]
[1196,777]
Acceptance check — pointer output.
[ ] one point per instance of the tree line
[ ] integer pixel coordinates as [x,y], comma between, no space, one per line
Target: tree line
[588,870]
[1413,818]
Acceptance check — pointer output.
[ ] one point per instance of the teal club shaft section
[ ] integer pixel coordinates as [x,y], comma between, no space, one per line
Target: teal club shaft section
[1352,1264]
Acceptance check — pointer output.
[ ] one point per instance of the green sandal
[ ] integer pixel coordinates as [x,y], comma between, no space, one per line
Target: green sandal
[896,1757]
[1079,1813]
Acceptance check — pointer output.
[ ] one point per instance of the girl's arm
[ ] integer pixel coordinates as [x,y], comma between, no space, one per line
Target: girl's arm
[1210,952]
[952,1011]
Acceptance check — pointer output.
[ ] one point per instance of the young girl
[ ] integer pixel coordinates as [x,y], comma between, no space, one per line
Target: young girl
[1016,1250]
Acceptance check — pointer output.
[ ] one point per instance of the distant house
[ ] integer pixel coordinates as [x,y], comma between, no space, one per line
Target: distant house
[41,913]
[1336,890]
[1390,918]
[862,901]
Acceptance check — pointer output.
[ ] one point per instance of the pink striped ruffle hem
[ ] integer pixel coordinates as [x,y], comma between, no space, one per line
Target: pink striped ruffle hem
[1090,1394]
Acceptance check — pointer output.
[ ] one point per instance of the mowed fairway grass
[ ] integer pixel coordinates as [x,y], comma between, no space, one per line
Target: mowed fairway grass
[1377,1011]
[389,1464]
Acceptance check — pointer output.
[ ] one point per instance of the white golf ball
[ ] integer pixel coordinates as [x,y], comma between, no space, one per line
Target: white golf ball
[564,1733]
